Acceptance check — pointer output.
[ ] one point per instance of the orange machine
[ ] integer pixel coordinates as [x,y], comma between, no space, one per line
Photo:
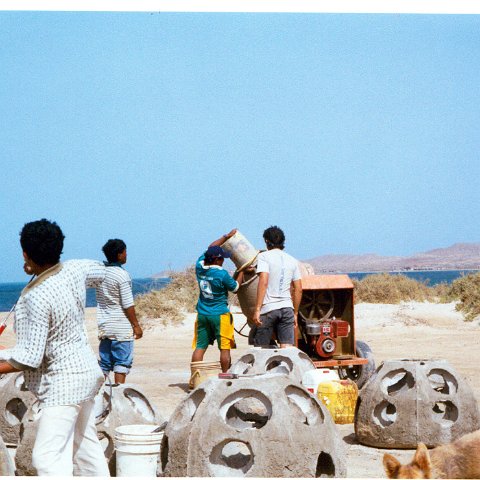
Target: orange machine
[326,327]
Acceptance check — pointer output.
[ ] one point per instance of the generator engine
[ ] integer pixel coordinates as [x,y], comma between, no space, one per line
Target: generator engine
[322,335]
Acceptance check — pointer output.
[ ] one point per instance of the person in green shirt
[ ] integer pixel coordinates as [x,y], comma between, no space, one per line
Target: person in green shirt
[214,320]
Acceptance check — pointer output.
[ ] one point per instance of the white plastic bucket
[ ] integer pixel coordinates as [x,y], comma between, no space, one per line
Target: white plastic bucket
[137,450]
[312,378]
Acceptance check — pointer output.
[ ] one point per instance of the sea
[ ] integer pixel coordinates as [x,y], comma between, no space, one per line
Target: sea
[9,292]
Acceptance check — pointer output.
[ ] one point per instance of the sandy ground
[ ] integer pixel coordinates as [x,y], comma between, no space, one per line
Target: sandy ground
[411,330]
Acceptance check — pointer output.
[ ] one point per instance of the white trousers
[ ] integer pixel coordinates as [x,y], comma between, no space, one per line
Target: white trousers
[67,443]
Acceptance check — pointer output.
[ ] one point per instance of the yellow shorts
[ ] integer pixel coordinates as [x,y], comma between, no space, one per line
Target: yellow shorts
[209,328]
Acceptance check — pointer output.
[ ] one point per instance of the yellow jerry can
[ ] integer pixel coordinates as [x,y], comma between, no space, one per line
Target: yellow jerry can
[340,398]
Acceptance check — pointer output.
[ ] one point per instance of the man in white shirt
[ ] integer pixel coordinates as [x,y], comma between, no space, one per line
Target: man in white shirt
[52,349]
[279,292]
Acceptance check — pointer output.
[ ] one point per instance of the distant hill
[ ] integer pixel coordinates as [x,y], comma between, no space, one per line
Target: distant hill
[456,257]
[164,274]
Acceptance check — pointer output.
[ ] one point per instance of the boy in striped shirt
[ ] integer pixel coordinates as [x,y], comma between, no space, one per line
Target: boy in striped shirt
[117,322]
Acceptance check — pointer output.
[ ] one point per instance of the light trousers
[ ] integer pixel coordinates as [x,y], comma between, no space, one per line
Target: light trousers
[67,442]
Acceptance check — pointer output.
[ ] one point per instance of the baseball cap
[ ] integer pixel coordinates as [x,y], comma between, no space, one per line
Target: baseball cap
[216,252]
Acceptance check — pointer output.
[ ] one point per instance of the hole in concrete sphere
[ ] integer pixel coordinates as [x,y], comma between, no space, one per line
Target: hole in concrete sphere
[385,414]
[189,408]
[398,381]
[35,407]
[305,359]
[14,411]
[279,364]
[164,452]
[442,381]
[246,409]
[445,413]
[194,402]
[244,365]
[106,443]
[231,458]
[305,407]
[102,402]
[140,404]
[20,383]
[325,466]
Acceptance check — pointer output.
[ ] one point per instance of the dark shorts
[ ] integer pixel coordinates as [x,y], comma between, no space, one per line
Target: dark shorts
[115,355]
[281,321]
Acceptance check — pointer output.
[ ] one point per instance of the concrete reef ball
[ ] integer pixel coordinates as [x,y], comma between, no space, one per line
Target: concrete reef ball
[119,405]
[15,400]
[251,427]
[7,468]
[289,361]
[410,401]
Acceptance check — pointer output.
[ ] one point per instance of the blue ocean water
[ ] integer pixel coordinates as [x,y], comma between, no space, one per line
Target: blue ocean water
[9,292]
[430,277]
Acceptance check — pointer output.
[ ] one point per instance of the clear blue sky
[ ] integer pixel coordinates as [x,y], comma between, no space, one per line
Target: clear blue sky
[355,133]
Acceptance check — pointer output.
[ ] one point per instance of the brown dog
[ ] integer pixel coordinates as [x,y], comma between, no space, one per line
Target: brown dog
[460,459]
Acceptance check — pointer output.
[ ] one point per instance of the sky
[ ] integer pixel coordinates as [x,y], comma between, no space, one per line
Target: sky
[355,133]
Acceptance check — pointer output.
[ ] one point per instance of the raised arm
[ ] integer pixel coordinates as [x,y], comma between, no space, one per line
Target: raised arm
[223,238]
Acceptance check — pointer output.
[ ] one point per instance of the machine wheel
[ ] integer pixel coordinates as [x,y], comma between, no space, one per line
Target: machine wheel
[316,305]
[360,373]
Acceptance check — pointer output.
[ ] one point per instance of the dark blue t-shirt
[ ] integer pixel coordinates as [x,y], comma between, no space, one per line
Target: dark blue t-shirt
[214,283]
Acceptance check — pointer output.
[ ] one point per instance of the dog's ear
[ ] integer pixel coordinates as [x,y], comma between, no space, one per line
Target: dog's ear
[422,460]
[391,465]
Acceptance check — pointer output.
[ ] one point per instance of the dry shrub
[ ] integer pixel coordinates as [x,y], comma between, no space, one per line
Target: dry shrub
[467,291]
[169,304]
[387,288]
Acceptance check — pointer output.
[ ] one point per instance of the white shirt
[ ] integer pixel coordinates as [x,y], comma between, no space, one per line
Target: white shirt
[114,295]
[282,269]
[52,348]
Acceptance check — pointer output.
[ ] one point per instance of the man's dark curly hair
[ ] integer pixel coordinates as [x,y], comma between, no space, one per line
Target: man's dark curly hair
[274,237]
[113,248]
[42,241]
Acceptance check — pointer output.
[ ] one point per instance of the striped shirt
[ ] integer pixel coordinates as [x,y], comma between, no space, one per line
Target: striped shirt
[114,295]
[52,348]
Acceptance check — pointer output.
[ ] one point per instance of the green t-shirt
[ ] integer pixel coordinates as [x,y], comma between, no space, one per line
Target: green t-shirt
[214,283]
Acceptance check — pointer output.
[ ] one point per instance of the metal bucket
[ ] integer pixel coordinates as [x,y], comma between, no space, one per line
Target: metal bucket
[242,251]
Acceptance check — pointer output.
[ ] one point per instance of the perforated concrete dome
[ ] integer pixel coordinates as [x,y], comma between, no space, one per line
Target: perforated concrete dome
[15,400]
[289,361]
[120,405]
[6,464]
[261,426]
[410,401]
